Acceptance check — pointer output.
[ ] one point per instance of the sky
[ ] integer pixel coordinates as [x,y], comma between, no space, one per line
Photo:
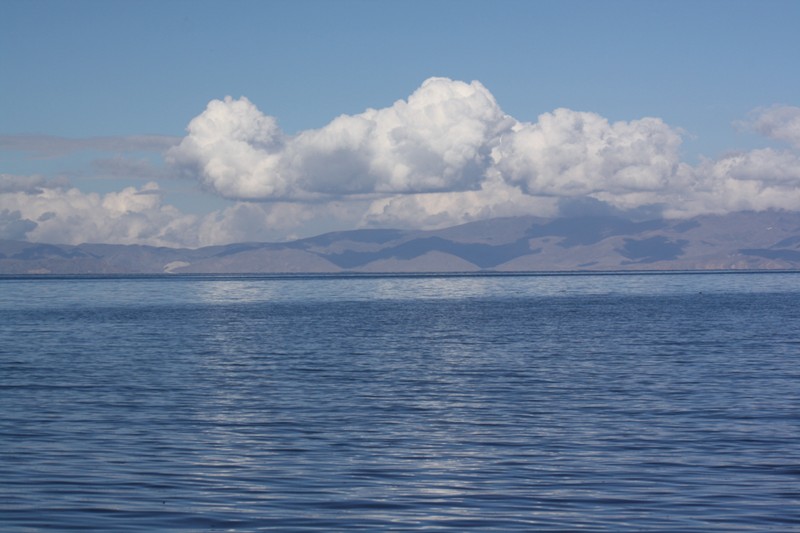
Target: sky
[191,123]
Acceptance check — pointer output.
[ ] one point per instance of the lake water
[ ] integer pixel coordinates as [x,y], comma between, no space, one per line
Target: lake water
[535,403]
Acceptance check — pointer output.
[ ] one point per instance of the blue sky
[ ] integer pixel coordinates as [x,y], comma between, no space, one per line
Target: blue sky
[94,94]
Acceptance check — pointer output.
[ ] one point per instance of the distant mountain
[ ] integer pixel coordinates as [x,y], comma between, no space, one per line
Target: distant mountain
[745,240]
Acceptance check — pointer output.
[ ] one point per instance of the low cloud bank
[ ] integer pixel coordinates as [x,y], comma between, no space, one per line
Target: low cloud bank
[38,210]
[53,212]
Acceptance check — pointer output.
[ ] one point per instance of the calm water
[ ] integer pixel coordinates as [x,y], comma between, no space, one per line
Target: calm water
[595,403]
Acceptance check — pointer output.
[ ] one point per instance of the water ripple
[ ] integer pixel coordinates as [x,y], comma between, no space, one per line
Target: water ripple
[272,404]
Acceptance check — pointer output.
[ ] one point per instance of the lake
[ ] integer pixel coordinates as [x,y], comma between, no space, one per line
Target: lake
[621,402]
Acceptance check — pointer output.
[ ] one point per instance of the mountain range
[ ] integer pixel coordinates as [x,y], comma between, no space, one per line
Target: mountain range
[744,240]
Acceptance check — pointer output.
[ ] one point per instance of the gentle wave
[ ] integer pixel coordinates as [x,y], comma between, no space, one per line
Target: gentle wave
[621,403]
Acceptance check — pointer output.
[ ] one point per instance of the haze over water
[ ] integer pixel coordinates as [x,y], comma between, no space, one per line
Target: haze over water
[551,402]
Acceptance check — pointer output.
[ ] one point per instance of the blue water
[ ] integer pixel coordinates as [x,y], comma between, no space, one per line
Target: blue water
[535,403]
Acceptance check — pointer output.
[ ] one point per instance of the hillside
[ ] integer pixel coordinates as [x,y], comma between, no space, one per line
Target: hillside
[746,240]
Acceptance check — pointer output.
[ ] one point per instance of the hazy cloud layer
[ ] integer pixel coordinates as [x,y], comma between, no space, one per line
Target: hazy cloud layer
[26,184]
[52,146]
[128,168]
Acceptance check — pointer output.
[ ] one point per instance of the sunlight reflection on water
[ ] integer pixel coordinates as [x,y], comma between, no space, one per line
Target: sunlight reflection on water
[169,290]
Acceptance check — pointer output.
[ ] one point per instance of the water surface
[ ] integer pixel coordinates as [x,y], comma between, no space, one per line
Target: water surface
[596,402]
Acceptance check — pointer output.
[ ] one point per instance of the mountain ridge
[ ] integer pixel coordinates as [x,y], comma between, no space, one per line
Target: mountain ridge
[766,240]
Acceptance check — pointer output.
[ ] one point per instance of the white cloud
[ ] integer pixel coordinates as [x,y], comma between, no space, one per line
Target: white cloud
[753,180]
[278,221]
[495,198]
[440,139]
[447,154]
[626,165]
[771,167]
[68,215]
[36,210]
[780,122]
[571,153]
[234,150]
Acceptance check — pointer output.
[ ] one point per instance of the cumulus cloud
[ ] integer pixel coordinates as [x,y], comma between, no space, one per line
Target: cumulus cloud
[495,198]
[37,210]
[751,180]
[234,150]
[449,154]
[780,122]
[439,139]
[68,215]
[570,153]
[447,137]
[277,221]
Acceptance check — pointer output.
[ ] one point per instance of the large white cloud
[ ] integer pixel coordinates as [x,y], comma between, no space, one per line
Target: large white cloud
[440,139]
[570,153]
[446,137]
[449,154]
[234,149]
[444,153]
